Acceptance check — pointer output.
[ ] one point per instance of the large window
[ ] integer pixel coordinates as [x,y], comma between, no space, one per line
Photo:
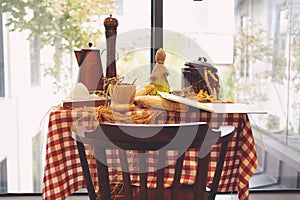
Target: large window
[37,50]
[271,32]
[37,47]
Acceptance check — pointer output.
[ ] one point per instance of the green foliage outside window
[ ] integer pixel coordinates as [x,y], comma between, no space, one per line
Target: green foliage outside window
[253,47]
[63,24]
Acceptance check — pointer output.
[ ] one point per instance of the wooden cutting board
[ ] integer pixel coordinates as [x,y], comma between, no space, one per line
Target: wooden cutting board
[70,104]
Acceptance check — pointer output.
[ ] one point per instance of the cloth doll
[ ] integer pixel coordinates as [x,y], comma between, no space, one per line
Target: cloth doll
[159,74]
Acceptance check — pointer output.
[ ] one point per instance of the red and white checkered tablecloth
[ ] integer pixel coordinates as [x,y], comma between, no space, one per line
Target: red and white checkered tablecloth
[63,173]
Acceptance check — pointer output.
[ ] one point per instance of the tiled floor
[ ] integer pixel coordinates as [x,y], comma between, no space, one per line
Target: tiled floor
[253,196]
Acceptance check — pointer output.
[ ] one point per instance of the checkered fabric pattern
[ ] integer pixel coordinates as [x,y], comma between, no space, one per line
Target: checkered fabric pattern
[63,173]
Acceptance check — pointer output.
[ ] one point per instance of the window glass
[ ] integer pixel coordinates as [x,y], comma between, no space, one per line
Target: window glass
[193,29]
[39,39]
[267,74]
[133,40]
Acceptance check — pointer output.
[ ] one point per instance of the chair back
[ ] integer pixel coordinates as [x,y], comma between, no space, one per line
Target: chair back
[161,138]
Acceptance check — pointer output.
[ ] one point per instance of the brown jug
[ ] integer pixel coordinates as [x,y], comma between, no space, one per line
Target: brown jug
[90,68]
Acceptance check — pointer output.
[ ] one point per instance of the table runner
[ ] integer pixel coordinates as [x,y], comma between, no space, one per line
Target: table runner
[63,174]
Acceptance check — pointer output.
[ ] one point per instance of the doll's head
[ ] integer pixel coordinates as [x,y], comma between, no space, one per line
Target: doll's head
[160,56]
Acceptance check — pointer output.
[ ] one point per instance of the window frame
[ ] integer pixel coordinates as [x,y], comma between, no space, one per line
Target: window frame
[2,75]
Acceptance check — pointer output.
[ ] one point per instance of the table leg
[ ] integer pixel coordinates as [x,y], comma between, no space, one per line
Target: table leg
[86,171]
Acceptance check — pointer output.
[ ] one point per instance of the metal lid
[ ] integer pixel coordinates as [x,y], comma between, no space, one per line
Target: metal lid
[90,48]
[201,63]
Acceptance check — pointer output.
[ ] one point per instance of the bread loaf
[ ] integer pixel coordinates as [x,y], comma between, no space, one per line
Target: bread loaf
[151,101]
[145,90]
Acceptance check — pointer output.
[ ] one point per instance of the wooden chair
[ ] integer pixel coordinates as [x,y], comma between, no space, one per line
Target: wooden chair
[160,137]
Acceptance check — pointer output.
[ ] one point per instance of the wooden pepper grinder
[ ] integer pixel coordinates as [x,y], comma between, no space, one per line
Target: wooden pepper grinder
[111,24]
